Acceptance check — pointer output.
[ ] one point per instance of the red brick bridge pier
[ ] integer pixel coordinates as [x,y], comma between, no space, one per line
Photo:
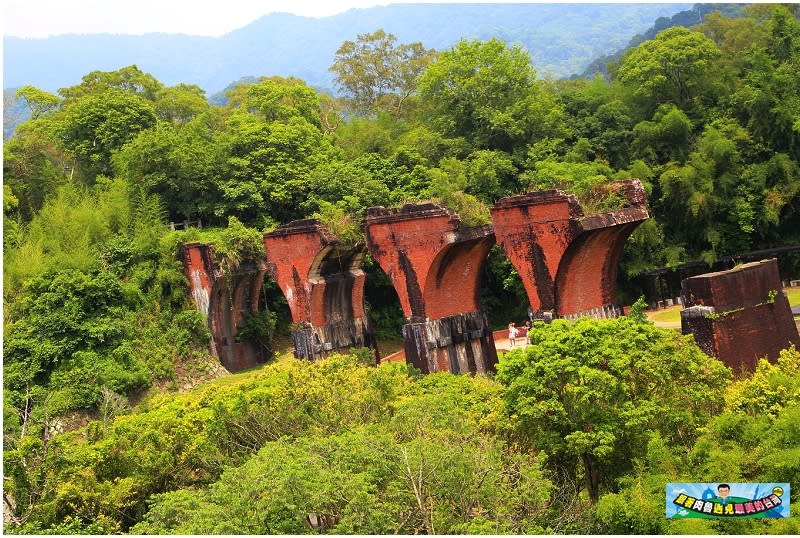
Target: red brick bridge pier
[323,283]
[225,298]
[434,263]
[567,262]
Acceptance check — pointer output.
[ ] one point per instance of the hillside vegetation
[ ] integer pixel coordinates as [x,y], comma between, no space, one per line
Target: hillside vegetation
[116,419]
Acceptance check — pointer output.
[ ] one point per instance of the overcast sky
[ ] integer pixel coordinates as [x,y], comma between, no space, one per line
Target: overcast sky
[42,18]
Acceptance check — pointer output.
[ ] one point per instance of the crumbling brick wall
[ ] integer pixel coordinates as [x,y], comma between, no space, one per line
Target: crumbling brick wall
[225,299]
[739,315]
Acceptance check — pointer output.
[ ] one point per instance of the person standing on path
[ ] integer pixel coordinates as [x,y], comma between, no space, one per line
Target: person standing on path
[512,333]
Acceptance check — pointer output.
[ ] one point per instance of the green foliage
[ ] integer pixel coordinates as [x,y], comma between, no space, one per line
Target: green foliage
[447,186]
[588,393]
[771,387]
[38,101]
[259,326]
[638,309]
[340,224]
[431,466]
[375,74]
[281,99]
[97,125]
[239,243]
[755,439]
[185,440]
[34,164]
[68,337]
[267,166]
[670,68]
[182,165]
[487,93]
[129,79]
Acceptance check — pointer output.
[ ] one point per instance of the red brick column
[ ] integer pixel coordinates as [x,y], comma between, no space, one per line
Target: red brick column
[225,300]
[323,283]
[534,230]
[434,264]
[739,315]
[567,261]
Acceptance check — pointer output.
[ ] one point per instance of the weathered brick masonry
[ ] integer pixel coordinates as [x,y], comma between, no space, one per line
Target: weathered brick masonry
[224,299]
[434,264]
[566,260]
[323,283]
[739,315]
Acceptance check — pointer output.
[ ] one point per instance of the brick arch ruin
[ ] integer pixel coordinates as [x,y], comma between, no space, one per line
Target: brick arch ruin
[323,283]
[225,300]
[434,263]
[567,262]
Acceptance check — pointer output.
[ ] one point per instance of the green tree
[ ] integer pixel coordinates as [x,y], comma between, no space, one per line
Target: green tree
[487,93]
[491,175]
[672,68]
[705,203]
[280,99]
[35,163]
[589,392]
[181,103]
[666,138]
[375,74]
[268,167]
[97,125]
[181,164]
[130,80]
[38,101]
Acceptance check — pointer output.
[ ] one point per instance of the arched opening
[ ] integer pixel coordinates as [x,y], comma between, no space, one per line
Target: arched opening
[502,293]
[587,275]
[383,308]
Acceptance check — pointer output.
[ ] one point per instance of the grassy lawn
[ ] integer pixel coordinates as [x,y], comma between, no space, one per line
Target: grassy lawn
[670,314]
[794,296]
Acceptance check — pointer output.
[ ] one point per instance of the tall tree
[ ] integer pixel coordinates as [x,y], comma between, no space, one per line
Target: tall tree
[487,93]
[128,79]
[38,101]
[673,67]
[375,74]
[97,125]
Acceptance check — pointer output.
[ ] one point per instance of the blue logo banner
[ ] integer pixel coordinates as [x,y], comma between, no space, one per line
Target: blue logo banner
[728,500]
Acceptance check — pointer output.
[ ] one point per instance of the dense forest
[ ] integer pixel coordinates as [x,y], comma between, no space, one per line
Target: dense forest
[116,419]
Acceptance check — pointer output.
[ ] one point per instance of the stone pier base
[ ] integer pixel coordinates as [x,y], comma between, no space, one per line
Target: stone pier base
[456,344]
[314,343]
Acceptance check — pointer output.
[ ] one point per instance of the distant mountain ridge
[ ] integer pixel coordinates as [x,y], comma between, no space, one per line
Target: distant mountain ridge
[688,18]
[562,39]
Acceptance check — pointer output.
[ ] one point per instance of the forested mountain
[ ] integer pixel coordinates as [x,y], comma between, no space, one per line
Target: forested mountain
[117,419]
[561,38]
[688,18]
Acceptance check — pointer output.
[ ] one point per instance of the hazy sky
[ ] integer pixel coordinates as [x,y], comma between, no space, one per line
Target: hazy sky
[42,18]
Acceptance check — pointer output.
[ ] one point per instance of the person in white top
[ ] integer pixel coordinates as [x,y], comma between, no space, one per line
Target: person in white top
[512,334]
